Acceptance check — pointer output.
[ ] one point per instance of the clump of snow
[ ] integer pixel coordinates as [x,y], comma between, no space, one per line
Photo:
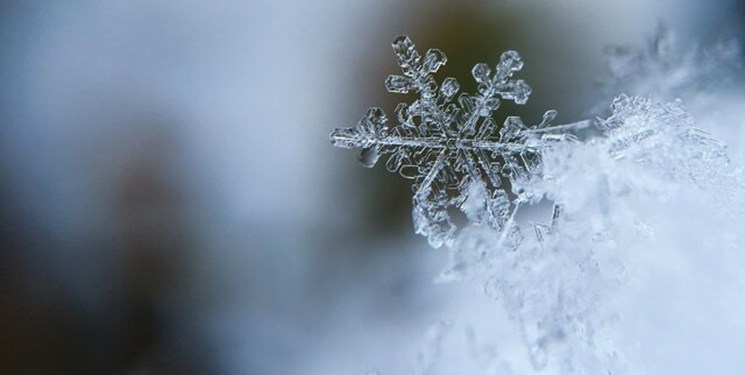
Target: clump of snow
[571,284]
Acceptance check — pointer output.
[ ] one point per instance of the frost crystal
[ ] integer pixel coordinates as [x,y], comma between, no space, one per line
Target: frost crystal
[452,148]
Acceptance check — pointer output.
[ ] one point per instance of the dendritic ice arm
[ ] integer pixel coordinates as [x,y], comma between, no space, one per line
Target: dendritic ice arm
[452,148]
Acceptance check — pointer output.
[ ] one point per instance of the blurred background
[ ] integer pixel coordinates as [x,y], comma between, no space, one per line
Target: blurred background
[169,199]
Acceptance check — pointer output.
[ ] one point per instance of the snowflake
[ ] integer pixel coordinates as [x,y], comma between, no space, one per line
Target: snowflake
[452,148]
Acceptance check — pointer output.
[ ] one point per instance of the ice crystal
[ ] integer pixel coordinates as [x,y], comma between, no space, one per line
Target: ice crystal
[452,147]
[664,139]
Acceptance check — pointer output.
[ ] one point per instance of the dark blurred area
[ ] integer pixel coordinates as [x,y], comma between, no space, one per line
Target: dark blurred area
[169,202]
